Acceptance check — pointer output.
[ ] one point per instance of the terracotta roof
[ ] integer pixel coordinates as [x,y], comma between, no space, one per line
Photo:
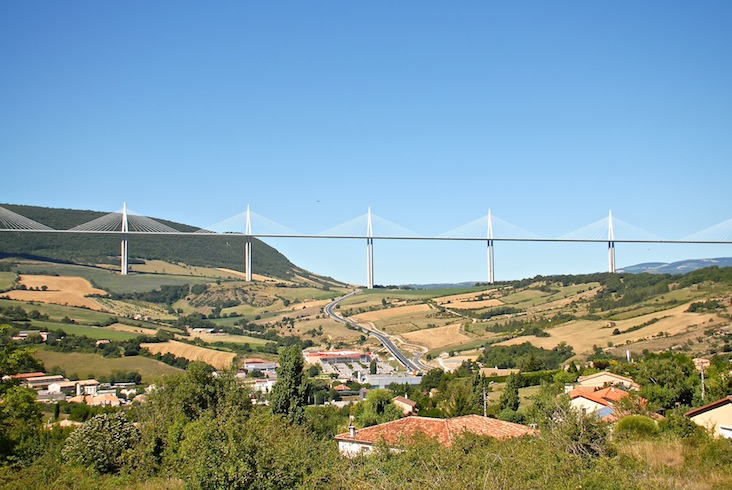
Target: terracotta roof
[611,394]
[589,396]
[342,388]
[406,401]
[630,382]
[444,430]
[710,406]
[27,375]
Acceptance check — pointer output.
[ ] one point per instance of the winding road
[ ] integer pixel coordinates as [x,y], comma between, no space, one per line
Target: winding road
[410,364]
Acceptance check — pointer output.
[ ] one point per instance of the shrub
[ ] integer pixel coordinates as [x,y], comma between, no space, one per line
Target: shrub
[636,426]
[101,443]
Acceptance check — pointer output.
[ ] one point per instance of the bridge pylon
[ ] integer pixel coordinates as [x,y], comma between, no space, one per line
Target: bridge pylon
[248,247]
[369,252]
[123,266]
[491,278]
[610,244]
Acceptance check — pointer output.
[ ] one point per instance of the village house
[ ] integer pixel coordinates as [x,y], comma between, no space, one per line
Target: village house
[606,378]
[397,433]
[42,382]
[600,402]
[105,400]
[407,406]
[715,417]
[81,387]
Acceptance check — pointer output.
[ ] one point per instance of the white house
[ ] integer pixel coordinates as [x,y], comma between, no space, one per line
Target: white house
[716,417]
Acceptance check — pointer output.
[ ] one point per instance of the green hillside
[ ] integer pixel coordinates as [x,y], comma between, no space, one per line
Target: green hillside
[206,251]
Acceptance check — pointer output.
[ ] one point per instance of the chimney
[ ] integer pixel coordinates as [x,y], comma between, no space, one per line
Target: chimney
[352,431]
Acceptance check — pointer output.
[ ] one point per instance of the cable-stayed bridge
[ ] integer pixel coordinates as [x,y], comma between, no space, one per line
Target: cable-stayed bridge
[368,227]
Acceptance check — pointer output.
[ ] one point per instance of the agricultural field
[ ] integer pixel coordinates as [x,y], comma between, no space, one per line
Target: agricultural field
[582,335]
[121,327]
[436,338]
[91,332]
[7,280]
[217,359]
[57,312]
[110,280]
[91,365]
[68,291]
[210,338]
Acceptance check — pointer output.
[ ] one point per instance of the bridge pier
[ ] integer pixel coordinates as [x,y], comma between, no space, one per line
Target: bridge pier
[491,278]
[369,252]
[248,247]
[123,261]
[610,243]
[248,259]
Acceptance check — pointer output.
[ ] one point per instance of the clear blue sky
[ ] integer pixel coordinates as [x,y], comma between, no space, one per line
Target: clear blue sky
[548,113]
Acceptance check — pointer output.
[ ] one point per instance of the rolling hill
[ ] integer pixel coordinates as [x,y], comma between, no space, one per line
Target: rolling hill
[205,251]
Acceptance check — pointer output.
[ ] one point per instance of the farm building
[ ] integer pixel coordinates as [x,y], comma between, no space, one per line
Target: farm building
[334,356]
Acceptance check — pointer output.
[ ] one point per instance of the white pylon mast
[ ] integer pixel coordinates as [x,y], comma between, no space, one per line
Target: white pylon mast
[369,252]
[610,243]
[248,247]
[491,278]
[123,245]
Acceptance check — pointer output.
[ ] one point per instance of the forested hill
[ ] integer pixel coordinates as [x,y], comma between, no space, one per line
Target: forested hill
[208,251]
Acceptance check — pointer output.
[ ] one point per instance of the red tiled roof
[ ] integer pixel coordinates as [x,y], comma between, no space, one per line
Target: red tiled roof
[710,406]
[443,430]
[27,375]
[406,401]
[629,381]
[342,388]
[589,396]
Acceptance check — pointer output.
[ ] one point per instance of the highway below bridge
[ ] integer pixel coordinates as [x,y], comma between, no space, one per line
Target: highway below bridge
[409,364]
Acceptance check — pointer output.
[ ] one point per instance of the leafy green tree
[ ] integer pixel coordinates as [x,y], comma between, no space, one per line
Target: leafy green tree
[509,399]
[102,442]
[20,423]
[667,380]
[289,394]
[376,409]
[459,399]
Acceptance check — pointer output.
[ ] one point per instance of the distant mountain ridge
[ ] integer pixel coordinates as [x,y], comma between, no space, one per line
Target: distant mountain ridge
[680,267]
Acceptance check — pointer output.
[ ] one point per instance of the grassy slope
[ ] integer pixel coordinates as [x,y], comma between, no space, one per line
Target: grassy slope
[215,251]
[93,364]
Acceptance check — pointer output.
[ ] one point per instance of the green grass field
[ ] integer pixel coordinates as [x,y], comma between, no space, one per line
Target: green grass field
[111,280]
[91,332]
[90,365]
[7,279]
[57,312]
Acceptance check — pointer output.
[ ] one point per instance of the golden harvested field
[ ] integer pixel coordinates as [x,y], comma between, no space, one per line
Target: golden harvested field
[255,277]
[162,267]
[217,359]
[223,337]
[70,291]
[468,301]
[391,313]
[121,327]
[560,303]
[434,338]
[583,334]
